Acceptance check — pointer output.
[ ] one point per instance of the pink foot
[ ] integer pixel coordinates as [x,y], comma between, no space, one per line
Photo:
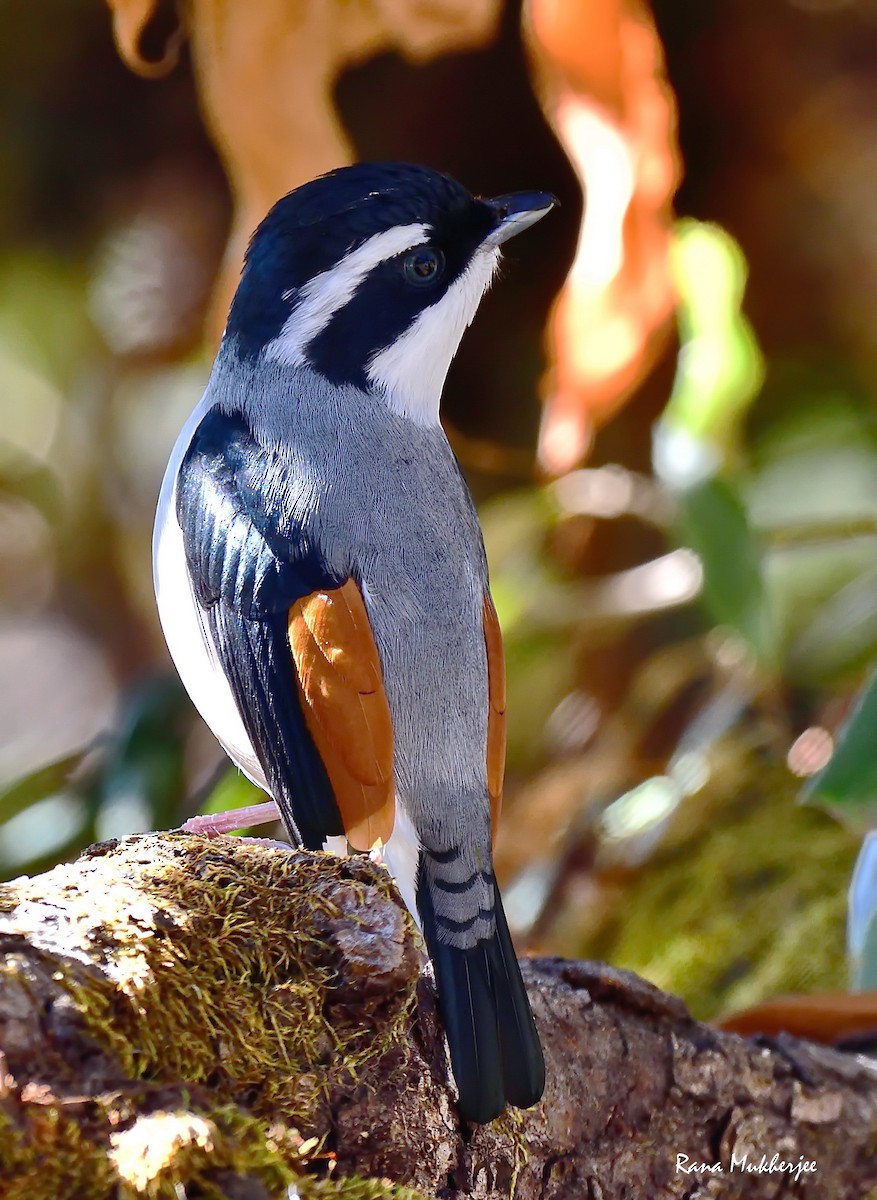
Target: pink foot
[213,824]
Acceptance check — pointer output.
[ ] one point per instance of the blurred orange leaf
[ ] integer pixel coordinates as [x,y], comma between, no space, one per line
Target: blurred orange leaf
[601,79]
[266,72]
[148,35]
[828,1017]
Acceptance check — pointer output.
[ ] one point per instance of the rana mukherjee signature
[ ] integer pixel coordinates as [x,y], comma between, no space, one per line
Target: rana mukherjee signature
[746,1165]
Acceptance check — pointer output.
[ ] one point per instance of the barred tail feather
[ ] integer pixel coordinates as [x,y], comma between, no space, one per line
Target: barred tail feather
[495,1052]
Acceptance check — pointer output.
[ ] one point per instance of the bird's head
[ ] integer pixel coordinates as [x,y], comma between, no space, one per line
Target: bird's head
[371,274]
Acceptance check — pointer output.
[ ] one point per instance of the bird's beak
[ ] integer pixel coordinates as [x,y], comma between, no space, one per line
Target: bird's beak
[515,212]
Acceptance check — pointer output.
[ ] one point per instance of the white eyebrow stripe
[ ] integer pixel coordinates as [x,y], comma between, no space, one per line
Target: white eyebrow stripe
[329,291]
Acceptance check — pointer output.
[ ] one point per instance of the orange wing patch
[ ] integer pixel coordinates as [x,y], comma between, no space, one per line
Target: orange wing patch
[496,723]
[345,708]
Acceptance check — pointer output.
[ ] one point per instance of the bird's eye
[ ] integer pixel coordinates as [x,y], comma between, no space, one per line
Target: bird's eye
[423,266]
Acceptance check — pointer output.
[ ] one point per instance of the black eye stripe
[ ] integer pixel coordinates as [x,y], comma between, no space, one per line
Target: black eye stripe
[384,305]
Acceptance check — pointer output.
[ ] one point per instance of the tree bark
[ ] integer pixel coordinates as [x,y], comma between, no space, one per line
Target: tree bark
[222,1018]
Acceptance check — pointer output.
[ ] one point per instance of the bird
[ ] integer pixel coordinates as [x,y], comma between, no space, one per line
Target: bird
[321,577]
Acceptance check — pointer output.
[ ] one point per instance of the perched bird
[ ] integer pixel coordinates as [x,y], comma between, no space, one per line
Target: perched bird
[321,575]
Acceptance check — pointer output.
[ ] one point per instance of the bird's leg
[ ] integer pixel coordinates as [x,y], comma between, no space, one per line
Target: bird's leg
[213,824]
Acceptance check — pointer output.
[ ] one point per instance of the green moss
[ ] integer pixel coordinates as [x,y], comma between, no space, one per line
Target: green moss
[207,1018]
[265,1003]
[746,899]
[161,1153]
[47,1154]
[510,1124]
[353,1188]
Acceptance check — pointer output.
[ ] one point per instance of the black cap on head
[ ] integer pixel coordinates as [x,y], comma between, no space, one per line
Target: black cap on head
[318,226]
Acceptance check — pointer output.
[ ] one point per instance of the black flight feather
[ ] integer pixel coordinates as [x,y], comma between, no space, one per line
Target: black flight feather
[246,577]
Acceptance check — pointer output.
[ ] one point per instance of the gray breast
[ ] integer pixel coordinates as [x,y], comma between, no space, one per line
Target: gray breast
[388,506]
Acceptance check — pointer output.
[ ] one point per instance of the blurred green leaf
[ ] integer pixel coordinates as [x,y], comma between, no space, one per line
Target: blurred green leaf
[43,322]
[25,478]
[142,785]
[841,637]
[515,528]
[45,831]
[848,785]
[40,784]
[48,814]
[713,522]
[720,368]
[821,627]
[816,491]
[130,779]
[718,373]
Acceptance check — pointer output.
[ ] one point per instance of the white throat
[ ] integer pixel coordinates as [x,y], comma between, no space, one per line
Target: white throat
[410,374]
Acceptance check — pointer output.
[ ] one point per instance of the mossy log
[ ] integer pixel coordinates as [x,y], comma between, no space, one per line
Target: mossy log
[217,1018]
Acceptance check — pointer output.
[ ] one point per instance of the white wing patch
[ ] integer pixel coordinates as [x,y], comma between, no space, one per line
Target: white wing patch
[329,291]
[411,372]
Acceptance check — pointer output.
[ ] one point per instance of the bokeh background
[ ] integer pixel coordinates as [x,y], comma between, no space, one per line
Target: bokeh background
[666,411]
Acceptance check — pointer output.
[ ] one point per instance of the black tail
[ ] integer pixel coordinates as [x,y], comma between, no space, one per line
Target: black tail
[495,1051]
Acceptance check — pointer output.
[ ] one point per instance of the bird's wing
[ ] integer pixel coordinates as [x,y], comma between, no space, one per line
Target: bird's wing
[345,708]
[496,720]
[293,640]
